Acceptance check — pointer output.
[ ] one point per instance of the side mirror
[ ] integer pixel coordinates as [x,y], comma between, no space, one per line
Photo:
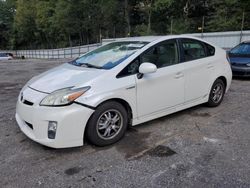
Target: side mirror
[146,68]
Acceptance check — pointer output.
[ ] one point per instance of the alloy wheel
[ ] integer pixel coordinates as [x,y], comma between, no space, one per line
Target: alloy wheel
[109,124]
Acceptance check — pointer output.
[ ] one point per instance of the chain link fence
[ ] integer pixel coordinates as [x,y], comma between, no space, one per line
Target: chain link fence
[72,52]
[224,40]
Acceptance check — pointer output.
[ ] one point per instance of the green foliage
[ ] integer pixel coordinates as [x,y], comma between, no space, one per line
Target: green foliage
[60,23]
[6,22]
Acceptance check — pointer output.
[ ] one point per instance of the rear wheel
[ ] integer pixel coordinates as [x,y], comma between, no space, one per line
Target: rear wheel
[108,124]
[217,93]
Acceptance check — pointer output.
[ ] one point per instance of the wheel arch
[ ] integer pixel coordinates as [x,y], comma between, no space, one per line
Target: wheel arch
[123,102]
[223,78]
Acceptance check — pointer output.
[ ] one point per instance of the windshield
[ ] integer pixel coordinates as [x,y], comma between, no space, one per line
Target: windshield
[3,55]
[242,49]
[110,55]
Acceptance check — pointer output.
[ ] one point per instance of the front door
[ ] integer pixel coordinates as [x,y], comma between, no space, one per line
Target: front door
[163,89]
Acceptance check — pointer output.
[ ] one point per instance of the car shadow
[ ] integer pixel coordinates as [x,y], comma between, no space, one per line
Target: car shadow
[134,141]
[241,78]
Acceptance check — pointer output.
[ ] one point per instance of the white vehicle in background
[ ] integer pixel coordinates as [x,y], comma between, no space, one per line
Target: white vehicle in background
[128,82]
[5,56]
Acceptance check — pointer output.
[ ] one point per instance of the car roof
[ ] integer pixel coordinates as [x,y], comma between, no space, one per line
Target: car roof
[246,42]
[142,39]
[153,38]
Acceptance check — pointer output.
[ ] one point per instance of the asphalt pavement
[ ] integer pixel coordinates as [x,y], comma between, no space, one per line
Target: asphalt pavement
[197,147]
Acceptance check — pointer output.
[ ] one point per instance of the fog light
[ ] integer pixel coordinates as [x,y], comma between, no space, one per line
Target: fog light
[52,129]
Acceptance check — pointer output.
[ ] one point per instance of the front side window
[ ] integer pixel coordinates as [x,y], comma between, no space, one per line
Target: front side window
[110,55]
[192,49]
[162,55]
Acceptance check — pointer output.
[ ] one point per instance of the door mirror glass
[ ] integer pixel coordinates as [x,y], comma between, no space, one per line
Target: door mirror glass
[146,68]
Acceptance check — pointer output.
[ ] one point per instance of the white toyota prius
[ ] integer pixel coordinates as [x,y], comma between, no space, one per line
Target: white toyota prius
[124,83]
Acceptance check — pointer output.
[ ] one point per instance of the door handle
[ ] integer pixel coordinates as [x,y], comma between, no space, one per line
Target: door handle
[179,75]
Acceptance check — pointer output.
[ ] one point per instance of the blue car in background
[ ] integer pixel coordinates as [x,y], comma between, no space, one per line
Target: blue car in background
[239,58]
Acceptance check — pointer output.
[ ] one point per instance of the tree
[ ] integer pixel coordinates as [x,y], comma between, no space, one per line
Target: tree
[45,11]
[61,23]
[227,15]
[24,24]
[6,21]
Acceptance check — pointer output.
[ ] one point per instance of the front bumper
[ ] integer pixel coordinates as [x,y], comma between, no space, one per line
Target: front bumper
[241,71]
[71,122]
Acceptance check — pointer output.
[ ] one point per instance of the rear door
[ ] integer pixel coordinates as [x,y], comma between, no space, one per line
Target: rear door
[197,68]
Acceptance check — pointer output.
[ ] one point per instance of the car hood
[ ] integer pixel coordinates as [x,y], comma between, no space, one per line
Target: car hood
[64,76]
[240,60]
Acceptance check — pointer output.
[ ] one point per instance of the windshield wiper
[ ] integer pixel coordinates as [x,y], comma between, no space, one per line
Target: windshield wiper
[90,66]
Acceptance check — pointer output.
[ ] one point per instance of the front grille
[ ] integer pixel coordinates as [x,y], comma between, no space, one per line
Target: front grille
[28,103]
[29,125]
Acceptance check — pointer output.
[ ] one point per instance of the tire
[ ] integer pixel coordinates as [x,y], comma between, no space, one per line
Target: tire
[217,93]
[108,124]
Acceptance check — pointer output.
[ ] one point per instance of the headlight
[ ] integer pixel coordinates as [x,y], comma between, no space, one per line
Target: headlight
[63,96]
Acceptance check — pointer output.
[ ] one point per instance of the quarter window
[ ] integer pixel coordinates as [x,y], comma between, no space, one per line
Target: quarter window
[192,49]
[130,69]
[210,50]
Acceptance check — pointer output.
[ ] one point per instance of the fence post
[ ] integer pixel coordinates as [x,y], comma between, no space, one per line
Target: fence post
[79,50]
[71,52]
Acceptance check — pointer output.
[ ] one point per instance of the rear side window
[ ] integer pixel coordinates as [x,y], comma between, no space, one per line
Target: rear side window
[210,49]
[192,49]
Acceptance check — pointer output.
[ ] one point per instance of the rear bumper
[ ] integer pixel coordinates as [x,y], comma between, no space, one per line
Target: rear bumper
[71,122]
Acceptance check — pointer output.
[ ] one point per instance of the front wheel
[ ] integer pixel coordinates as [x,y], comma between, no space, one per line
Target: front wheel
[108,124]
[217,93]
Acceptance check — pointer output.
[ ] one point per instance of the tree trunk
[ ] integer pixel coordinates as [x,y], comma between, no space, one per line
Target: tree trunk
[114,32]
[87,36]
[80,36]
[70,42]
[100,35]
[127,17]
[149,20]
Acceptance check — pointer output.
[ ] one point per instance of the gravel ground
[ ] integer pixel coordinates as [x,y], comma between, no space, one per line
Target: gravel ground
[197,147]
